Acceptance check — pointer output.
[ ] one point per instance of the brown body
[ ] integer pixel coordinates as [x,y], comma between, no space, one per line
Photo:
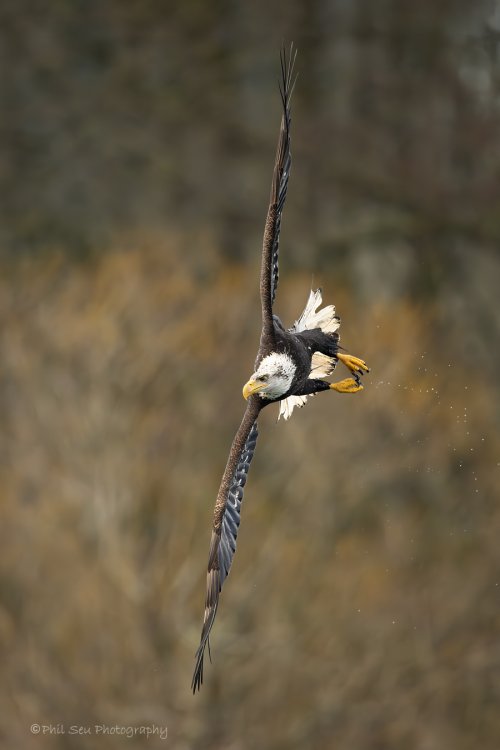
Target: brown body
[294,349]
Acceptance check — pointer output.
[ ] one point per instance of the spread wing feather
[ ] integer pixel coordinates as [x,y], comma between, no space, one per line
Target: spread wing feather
[228,504]
[226,524]
[270,249]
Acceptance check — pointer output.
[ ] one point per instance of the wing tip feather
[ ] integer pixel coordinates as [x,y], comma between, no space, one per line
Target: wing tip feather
[223,539]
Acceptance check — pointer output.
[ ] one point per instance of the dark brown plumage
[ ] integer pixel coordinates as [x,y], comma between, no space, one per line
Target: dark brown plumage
[227,507]
[290,366]
[226,523]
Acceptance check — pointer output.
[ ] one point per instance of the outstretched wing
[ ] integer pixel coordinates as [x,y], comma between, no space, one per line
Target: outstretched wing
[270,249]
[226,523]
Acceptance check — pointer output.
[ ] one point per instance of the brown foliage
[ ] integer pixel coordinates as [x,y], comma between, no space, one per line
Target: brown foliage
[362,608]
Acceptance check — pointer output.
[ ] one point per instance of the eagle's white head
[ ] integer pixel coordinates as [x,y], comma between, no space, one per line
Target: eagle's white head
[273,377]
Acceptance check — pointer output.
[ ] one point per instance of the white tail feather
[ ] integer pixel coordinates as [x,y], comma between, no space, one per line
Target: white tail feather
[321,365]
[313,318]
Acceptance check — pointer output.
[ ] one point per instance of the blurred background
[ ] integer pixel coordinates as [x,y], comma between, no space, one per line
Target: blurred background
[136,152]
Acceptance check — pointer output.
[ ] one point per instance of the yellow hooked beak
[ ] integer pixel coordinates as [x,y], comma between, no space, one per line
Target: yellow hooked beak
[253,386]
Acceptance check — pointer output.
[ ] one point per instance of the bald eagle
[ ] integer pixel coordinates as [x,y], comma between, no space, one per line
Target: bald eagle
[291,365]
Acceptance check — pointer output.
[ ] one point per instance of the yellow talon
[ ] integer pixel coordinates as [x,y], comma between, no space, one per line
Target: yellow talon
[354,364]
[348,385]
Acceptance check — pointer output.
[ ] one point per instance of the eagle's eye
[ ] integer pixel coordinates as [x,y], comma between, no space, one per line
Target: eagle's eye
[264,378]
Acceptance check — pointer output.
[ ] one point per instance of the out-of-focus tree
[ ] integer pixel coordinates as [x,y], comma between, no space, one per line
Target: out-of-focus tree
[136,148]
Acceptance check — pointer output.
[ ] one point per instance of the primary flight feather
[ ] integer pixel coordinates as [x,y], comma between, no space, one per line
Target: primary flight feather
[291,365]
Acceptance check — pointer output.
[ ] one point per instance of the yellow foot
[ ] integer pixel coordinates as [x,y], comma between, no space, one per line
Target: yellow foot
[354,364]
[348,385]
